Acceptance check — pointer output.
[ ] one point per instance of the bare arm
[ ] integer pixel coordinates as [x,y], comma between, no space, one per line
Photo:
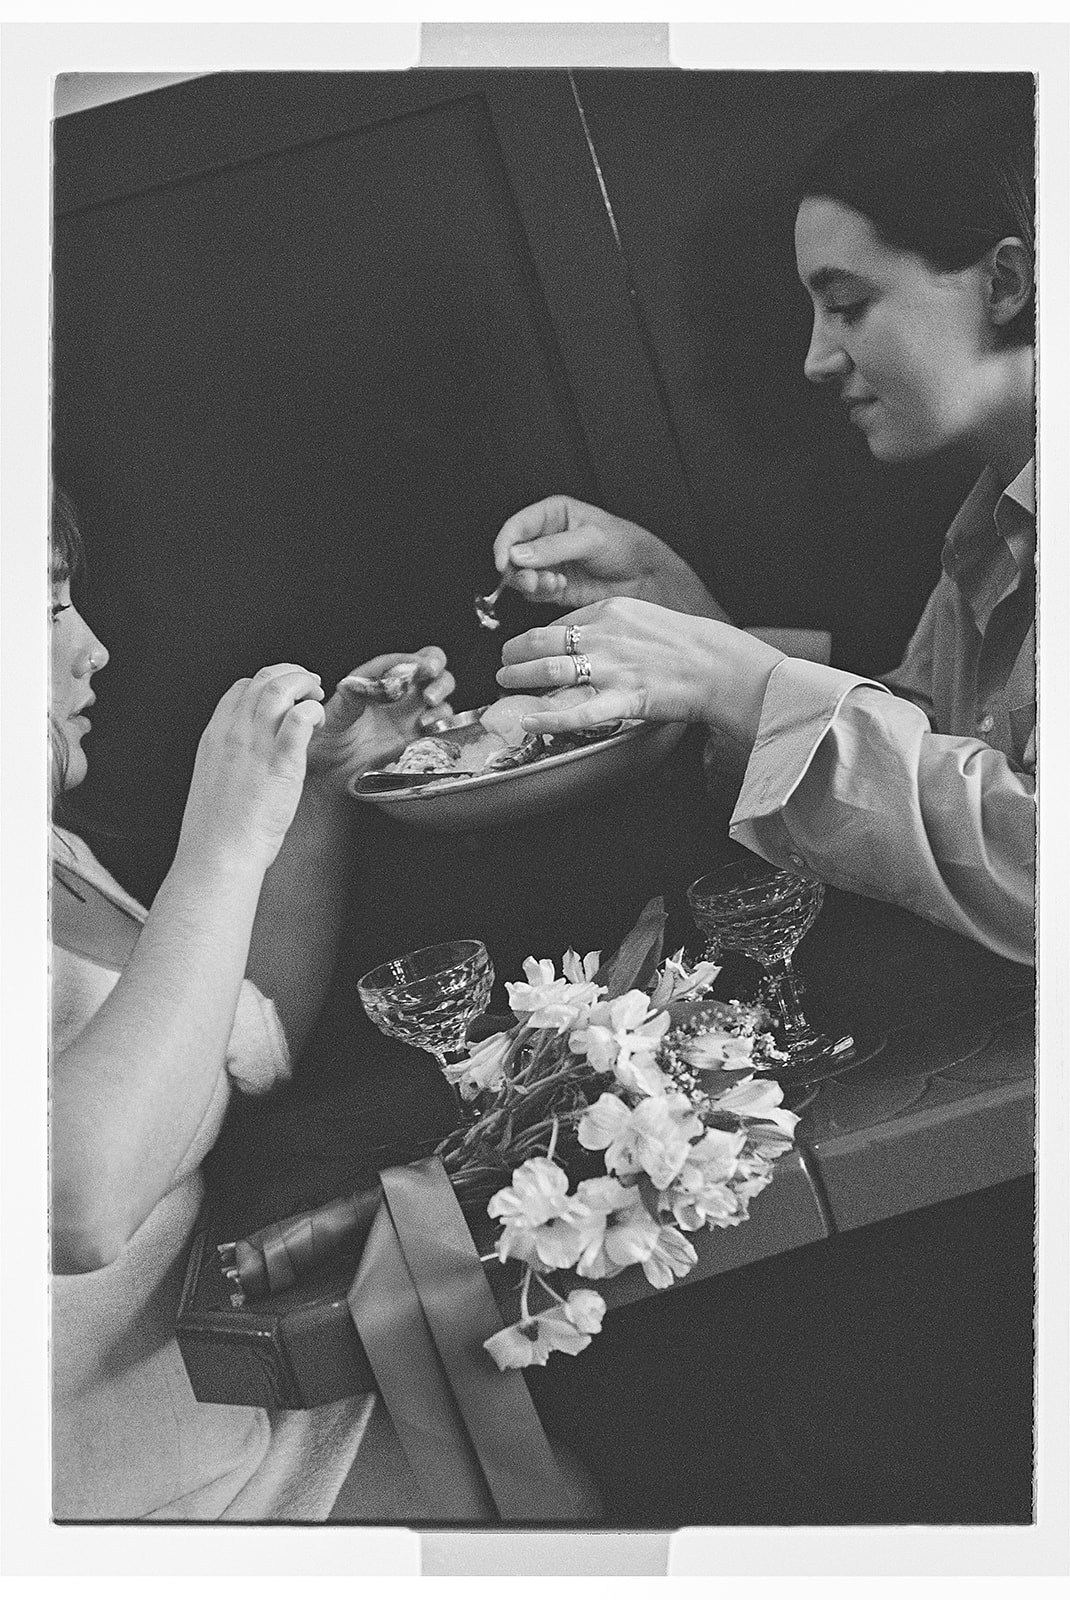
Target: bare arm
[295,937]
[131,1091]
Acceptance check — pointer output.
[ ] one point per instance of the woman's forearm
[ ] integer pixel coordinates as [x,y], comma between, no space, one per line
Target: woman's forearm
[131,1091]
[295,935]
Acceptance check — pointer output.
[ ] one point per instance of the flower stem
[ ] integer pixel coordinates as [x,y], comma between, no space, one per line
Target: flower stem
[541,1281]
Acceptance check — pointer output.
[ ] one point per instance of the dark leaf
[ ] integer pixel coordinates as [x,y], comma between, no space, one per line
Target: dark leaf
[649,1193]
[632,966]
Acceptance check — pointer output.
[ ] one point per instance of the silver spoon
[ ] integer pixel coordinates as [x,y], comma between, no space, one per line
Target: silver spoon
[485,604]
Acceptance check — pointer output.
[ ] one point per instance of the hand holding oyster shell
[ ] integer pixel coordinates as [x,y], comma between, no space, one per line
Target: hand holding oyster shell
[375,708]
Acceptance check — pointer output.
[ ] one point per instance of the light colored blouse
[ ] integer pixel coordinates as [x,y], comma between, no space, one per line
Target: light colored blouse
[919,789]
[129,1440]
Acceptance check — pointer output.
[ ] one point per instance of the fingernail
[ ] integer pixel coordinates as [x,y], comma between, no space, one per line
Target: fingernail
[520,552]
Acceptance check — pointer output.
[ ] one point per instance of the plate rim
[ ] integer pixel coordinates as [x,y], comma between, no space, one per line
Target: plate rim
[438,785]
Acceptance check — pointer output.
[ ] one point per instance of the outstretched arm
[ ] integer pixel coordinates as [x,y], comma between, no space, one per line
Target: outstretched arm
[306,889]
[850,784]
[565,553]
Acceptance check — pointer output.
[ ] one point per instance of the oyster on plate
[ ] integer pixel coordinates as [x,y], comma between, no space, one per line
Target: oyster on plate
[497,741]
[430,754]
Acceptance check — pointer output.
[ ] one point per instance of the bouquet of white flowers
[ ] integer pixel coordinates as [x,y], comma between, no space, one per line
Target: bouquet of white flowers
[628,1072]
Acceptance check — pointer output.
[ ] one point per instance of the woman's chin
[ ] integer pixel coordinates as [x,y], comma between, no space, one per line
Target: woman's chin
[74,774]
[895,451]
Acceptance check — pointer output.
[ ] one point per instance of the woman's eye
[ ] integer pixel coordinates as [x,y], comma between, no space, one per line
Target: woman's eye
[850,312]
[57,608]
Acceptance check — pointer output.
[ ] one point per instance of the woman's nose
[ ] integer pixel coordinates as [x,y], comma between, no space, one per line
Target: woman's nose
[826,358]
[92,656]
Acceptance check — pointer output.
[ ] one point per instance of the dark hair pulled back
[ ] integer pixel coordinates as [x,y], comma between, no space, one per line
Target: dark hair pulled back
[945,171]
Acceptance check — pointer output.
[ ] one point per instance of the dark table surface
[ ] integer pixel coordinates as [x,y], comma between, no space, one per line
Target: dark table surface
[942,1107]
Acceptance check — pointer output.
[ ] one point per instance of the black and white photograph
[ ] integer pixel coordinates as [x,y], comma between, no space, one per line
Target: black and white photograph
[540,847]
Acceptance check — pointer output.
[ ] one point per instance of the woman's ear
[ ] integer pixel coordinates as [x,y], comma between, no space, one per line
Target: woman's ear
[1009,280]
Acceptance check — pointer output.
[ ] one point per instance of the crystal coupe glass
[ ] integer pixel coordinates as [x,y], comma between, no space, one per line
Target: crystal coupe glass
[763,912]
[430,997]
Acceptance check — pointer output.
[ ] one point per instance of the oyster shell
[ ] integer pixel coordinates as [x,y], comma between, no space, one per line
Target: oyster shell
[429,754]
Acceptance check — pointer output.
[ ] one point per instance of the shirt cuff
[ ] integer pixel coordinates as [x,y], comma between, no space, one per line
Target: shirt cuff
[802,699]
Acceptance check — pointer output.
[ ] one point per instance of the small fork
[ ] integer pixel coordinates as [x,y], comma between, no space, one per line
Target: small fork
[485,604]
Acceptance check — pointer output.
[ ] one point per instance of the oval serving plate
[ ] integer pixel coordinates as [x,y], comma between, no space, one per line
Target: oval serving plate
[550,783]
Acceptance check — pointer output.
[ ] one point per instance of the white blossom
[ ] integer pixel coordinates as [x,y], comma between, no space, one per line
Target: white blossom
[623,1036]
[759,1100]
[528,1344]
[677,982]
[547,1001]
[716,1048]
[484,1067]
[653,1137]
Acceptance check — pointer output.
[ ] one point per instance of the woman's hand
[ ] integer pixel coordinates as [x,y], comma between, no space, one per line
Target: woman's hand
[357,733]
[645,662]
[250,768]
[566,553]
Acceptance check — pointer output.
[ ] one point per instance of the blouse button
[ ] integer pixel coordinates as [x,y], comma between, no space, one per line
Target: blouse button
[796,861]
[986,723]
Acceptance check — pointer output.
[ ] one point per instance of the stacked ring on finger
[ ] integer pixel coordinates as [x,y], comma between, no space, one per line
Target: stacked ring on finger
[582,664]
[572,639]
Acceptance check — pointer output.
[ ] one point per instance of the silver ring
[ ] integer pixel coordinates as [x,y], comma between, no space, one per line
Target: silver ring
[572,639]
[582,664]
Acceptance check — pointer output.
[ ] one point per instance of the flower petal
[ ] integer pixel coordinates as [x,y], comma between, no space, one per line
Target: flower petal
[512,1347]
[602,1122]
[585,1310]
[672,1256]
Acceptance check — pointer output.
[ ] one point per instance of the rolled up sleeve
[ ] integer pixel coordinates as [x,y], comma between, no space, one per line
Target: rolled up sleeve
[848,783]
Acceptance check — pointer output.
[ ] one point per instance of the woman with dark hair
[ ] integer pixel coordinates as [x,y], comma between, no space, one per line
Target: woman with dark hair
[885,1375]
[156,1015]
[914,241]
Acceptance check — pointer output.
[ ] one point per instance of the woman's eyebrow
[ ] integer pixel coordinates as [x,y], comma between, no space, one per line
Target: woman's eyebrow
[830,278]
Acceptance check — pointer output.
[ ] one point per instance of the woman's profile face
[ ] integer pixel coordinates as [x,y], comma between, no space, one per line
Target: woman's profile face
[907,346]
[76,654]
